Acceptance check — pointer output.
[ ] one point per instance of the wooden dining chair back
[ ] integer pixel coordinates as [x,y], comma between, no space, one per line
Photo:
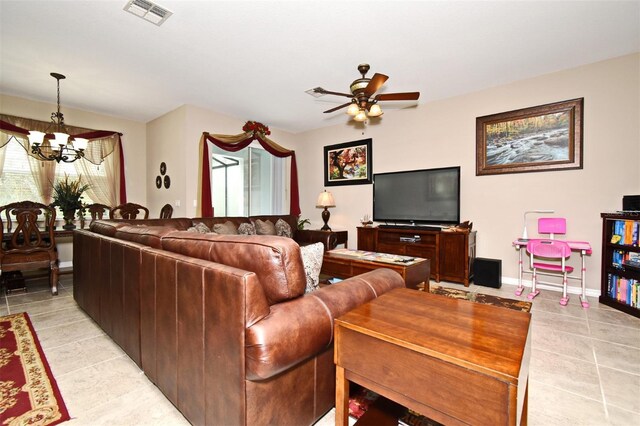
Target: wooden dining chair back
[129,211]
[24,245]
[98,211]
[166,212]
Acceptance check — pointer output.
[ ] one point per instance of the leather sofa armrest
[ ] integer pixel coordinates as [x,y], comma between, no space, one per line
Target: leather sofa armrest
[309,236]
[301,328]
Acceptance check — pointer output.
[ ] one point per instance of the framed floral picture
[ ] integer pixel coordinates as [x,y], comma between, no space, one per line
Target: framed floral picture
[540,138]
[348,163]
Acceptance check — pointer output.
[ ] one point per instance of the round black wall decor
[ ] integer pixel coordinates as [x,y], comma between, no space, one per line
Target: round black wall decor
[167,181]
[158,182]
[163,168]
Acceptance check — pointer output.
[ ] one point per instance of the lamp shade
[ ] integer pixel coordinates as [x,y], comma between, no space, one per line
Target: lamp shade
[353,109]
[80,143]
[325,199]
[375,111]
[36,137]
[360,116]
[61,138]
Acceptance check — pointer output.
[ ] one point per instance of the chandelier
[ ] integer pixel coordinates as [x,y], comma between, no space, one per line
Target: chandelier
[60,146]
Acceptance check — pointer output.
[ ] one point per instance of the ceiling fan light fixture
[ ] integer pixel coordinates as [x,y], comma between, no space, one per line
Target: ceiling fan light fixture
[375,111]
[353,109]
[360,116]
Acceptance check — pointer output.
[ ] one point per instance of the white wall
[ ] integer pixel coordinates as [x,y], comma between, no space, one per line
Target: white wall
[175,139]
[442,133]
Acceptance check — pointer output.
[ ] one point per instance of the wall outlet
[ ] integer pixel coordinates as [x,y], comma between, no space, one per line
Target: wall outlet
[177,204]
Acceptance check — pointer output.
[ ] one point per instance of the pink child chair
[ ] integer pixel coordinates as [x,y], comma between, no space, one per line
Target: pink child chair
[547,250]
[552,226]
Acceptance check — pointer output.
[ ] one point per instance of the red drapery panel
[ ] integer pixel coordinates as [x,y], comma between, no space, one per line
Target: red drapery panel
[123,184]
[270,146]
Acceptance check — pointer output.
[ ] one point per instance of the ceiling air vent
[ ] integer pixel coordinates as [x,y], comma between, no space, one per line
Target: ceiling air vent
[149,11]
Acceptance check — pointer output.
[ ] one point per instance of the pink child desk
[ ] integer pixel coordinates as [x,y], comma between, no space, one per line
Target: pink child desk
[582,246]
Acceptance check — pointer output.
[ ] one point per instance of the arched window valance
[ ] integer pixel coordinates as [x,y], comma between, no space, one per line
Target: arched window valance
[235,143]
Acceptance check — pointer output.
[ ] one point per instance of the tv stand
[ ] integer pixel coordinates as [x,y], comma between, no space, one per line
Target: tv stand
[452,253]
[419,227]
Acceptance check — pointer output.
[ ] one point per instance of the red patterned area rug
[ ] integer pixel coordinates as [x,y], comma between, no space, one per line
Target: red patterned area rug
[29,394]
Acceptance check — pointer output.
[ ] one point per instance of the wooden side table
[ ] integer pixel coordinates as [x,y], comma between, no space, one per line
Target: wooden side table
[317,234]
[455,361]
[342,237]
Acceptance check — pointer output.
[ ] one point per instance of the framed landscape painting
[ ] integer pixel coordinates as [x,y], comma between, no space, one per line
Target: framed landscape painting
[348,163]
[540,138]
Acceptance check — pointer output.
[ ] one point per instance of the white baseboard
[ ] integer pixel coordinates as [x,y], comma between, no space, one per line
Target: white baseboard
[570,289]
[67,264]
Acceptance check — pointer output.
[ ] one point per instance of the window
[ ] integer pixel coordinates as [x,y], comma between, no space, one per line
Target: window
[247,183]
[17,182]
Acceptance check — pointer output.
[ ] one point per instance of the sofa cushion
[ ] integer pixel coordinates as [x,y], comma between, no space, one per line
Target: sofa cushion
[312,262]
[283,229]
[199,227]
[227,228]
[247,229]
[276,261]
[265,227]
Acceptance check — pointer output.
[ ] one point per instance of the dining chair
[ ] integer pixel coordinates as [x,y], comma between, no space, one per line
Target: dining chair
[166,212]
[129,211]
[98,211]
[24,246]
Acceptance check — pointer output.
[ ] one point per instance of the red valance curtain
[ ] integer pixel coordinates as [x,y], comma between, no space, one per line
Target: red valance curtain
[235,143]
[102,143]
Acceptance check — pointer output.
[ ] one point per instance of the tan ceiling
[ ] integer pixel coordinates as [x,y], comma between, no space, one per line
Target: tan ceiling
[254,60]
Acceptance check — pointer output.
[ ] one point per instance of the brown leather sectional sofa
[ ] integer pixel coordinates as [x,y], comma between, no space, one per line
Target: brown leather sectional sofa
[220,323]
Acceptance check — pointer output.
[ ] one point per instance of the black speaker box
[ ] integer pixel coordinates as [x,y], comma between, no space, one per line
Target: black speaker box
[487,272]
[631,202]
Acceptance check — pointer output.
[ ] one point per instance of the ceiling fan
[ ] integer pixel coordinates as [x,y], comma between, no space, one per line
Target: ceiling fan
[362,103]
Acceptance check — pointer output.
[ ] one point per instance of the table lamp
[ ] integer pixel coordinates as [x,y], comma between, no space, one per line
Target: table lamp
[325,199]
[524,231]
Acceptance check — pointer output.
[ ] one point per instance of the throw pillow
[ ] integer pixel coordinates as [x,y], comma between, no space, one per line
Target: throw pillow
[283,229]
[265,227]
[312,262]
[227,228]
[247,229]
[199,227]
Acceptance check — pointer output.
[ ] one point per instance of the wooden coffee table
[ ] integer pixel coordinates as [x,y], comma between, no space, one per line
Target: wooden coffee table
[340,263]
[454,361]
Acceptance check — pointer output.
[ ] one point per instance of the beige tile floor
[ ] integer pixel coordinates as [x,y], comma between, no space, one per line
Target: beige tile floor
[585,364]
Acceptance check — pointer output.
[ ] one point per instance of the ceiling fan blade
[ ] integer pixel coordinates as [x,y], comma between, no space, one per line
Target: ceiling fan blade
[374,84]
[407,96]
[337,108]
[328,92]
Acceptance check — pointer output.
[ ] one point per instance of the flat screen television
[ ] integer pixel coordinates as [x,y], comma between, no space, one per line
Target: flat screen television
[417,197]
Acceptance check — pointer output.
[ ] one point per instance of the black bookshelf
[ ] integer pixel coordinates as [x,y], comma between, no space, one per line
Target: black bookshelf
[614,254]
